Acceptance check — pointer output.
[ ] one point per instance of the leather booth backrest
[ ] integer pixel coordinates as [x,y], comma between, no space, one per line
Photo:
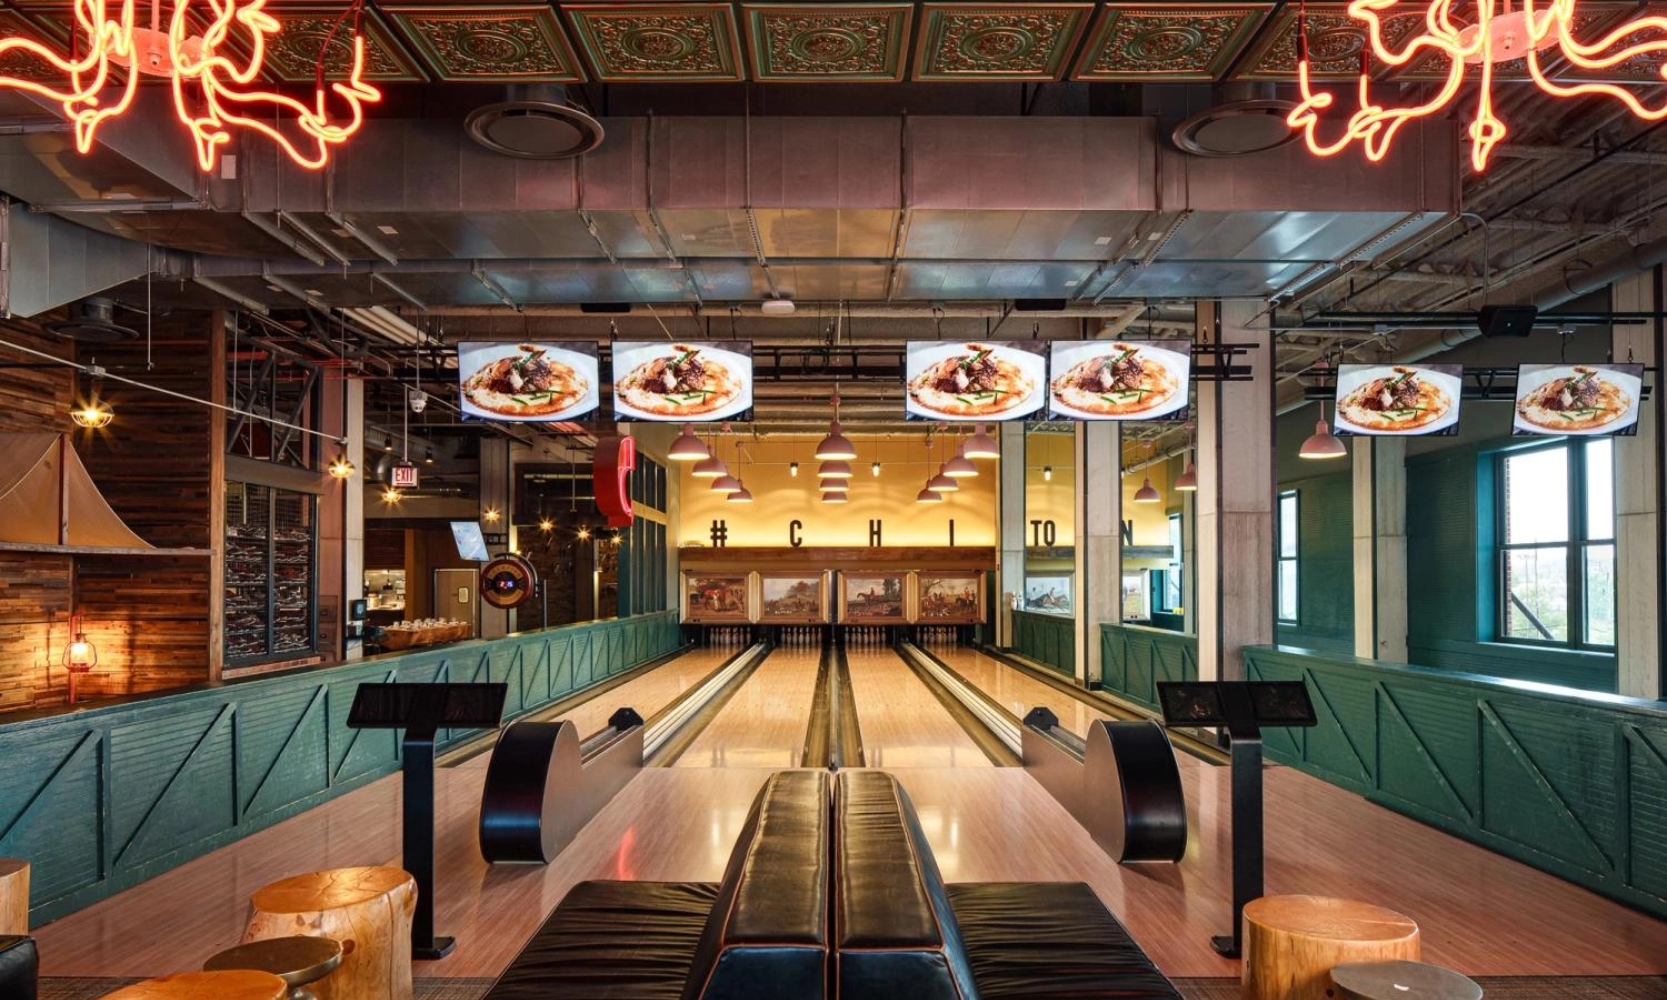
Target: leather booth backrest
[19,967]
[894,932]
[767,936]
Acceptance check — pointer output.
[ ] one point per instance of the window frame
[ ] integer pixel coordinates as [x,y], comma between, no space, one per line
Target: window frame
[1295,558]
[1576,543]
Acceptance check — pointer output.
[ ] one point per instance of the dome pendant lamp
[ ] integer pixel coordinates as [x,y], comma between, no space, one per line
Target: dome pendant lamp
[836,446]
[1322,443]
[1187,481]
[981,445]
[687,447]
[1147,492]
[929,495]
[960,467]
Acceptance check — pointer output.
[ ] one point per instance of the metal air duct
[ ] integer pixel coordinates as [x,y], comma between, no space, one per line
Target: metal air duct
[1247,118]
[534,122]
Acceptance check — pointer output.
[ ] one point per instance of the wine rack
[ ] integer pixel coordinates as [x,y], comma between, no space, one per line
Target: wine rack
[271,573]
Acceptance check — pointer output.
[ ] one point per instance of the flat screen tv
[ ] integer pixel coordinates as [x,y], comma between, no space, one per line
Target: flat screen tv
[470,544]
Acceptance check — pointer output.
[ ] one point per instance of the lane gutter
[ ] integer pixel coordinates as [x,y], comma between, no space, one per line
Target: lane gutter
[671,730]
[985,728]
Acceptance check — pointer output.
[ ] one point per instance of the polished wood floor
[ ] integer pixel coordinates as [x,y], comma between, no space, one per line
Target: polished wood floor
[764,725]
[1480,913]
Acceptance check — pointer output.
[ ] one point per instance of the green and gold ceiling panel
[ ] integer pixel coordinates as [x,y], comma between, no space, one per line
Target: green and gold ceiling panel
[1335,44]
[22,66]
[995,41]
[843,43]
[292,55]
[650,43]
[473,42]
[1168,43]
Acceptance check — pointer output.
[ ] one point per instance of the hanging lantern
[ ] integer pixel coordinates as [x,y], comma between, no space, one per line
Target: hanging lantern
[341,468]
[80,656]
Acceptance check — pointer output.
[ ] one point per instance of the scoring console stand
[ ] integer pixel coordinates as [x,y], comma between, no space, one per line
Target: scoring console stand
[422,710]
[1242,708]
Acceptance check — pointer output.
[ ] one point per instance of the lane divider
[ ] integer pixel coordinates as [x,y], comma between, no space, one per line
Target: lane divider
[668,723]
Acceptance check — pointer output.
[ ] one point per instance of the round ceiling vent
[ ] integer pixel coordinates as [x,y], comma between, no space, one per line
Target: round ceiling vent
[1236,129]
[534,124]
[90,321]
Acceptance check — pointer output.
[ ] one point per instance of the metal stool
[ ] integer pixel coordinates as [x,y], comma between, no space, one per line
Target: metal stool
[1402,981]
[298,961]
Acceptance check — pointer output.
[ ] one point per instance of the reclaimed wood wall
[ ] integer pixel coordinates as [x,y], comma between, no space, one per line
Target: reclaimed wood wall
[148,616]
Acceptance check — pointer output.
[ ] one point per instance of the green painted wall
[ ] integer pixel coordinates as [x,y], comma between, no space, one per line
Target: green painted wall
[1449,560]
[1046,639]
[1574,785]
[103,798]
[1134,658]
[1325,564]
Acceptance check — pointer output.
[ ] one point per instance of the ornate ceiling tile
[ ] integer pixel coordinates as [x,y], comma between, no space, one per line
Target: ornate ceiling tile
[993,41]
[1167,43]
[292,55]
[1589,21]
[627,43]
[24,67]
[846,43]
[1335,43]
[475,43]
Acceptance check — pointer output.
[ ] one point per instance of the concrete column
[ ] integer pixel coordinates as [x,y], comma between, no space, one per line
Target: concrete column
[1380,548]
[1235,496]
[494,495]
[353,518]
[1099,541]
[1638,501]
[1010,500]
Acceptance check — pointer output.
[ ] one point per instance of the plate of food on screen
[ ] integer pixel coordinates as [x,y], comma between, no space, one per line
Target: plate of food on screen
[1397,399]
[1114,380]
[680,381]
[973,381]
[1577,399]
[527,381]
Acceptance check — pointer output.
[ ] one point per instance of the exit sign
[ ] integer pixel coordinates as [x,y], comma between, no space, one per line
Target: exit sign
[404,476]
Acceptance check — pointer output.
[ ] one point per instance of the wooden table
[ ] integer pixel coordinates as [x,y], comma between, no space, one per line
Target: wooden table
[240,985]
[368,910]
[14,896]
[1291,943]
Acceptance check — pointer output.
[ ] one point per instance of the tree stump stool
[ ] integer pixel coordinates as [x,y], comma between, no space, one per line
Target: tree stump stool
[243,984]
[367,909]
[1292,942]
[14,896]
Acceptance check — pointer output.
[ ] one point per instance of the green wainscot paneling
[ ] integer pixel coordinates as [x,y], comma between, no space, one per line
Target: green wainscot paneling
[1569,782]
[1134,658]
[100,799]
[1046,639]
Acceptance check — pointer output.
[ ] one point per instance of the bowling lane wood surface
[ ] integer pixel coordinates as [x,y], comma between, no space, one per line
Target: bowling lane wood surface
[902,723]
[1016,690]
[648,692]
[764,724]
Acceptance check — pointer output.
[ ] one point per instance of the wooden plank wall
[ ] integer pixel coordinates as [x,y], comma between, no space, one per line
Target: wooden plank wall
[147,616]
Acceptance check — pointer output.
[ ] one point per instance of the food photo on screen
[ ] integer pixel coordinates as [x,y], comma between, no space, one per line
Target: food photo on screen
[973,380]
[1581,399]
[1119,380]
[682,381]
[1398,400]
[528,382]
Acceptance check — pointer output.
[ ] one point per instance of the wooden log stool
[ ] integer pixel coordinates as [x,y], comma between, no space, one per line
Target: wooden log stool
[14,896]
[367,909]
[240,985]
[1291,943]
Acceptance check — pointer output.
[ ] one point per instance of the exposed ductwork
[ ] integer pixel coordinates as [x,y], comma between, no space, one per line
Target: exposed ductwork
[534,122]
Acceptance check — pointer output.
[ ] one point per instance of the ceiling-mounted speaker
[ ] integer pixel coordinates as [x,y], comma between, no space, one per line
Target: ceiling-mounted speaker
[535,121]
[1506,321]
[1038,305]
[1246,118]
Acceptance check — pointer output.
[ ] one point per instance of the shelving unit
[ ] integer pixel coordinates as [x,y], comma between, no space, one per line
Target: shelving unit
[271,573]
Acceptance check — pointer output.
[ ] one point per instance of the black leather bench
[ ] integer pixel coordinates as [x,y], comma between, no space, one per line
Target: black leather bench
[19,967]
[760,933]
[902,933]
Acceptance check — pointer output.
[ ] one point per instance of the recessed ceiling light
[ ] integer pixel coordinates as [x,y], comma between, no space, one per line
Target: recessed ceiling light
[1070,282]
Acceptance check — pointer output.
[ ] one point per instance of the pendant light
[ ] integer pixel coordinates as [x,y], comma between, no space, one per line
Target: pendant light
[793,469]
[832,484]
[1147,493]
[726,482]
[836,496]
[928,495]
[981,445]
[941,483]
[836,446]
[341,468]
[94,414]
[710,467]
[1187,481]
[740,494]
[1047,473]
[838,469]
[960,467]
[687,447]
[1322,443]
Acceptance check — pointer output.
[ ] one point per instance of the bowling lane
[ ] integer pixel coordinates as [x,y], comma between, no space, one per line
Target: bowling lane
[1015,690]
[647,693]
[764,724]
[902,723]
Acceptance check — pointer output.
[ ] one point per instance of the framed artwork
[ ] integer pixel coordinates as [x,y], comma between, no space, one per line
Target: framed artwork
[951,598]
[872,598]
[716,598]
[1049,593]
[793,598]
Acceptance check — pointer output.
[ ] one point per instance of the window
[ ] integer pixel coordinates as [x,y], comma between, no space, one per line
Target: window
[1557,544]
[1174,581]
[1286,532]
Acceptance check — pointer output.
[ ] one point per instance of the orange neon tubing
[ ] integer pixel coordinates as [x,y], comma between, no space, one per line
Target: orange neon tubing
[231,97]
[1374,126]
